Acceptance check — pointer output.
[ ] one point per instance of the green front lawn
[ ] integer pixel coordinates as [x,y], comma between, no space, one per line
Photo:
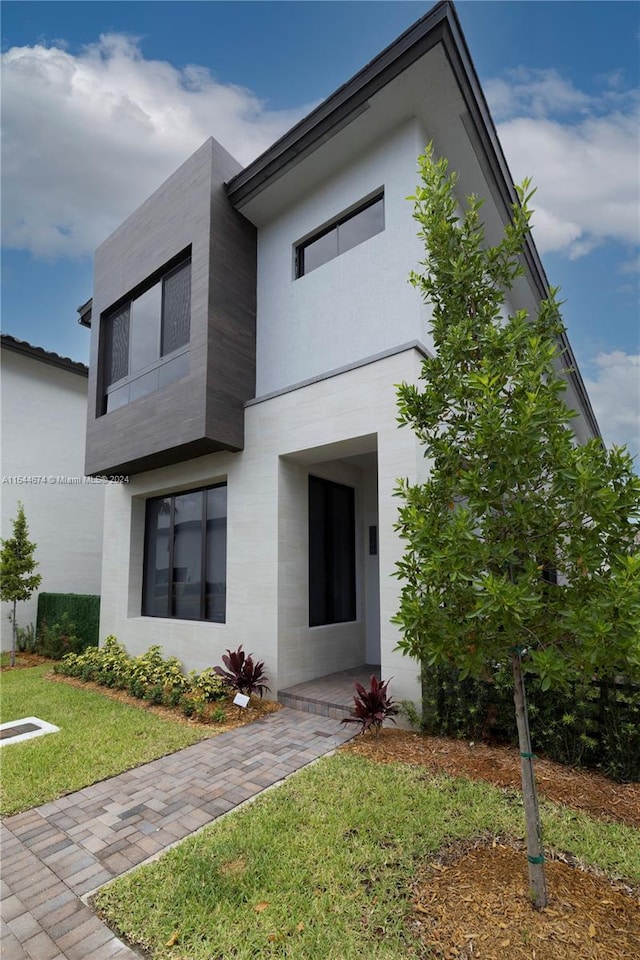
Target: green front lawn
[98,738]
[321,868]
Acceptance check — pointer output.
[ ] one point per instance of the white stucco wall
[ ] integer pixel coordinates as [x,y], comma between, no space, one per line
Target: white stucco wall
[315,429]
[356,305]
[43,435]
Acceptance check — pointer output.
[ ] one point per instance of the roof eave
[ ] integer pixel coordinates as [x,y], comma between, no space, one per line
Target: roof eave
[340,108]
[440,25]
[7,342]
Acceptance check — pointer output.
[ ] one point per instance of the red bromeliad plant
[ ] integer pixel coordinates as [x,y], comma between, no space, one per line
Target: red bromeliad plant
[242,673]
[373,706]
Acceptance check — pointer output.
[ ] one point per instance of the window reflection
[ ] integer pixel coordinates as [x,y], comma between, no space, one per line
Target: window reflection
[346,233]
[185,556]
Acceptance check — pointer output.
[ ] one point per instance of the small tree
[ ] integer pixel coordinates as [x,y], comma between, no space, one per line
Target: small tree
[521,546]
[17,563]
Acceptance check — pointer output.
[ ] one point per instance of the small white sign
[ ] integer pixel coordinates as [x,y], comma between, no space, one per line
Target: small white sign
[241,700]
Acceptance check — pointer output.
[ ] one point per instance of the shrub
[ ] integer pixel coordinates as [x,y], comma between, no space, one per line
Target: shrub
[173,698]
[200,710]
[159,681]
[211,686]
[587,724]
[218,715]
[155,695]
[57,640]
[82,609]
[136,688]
[152,669]
[26,639]
[373,706]
[242,673]
[618,726]
[187,706]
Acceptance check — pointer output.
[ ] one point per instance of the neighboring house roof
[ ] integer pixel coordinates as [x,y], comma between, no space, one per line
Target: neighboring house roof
[8,342]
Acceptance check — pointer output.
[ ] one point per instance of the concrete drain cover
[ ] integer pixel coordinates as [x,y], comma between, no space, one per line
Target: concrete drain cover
[26,729]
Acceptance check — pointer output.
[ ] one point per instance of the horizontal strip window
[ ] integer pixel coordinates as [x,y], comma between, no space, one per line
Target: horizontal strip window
[344,233]
[185,556]
[160,374]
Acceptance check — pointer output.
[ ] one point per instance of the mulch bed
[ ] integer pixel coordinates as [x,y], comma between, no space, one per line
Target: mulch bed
[24,661]
[471,902]
[235,716]
[498,764]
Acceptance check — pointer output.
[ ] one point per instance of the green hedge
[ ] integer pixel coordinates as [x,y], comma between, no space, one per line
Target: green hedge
[82,610]
[589,724]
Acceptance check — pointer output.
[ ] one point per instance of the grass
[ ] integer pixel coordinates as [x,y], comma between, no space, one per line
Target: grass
[98,738]
[320,869]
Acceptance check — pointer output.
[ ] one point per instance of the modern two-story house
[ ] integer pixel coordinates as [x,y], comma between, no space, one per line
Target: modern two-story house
[249,328]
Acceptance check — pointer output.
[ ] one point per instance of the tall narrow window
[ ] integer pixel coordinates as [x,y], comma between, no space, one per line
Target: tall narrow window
[341,235]
[185,558]
[332,553]
[146,339]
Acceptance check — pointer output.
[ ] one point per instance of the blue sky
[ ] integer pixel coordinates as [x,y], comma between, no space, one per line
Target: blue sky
[102,100]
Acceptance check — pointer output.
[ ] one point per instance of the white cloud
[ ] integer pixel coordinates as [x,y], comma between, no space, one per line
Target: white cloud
[615,396]
[582,153]
[533,93]
[87,137]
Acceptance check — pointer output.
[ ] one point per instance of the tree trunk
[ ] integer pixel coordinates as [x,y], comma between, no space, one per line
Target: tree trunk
[13,636]
[535,849]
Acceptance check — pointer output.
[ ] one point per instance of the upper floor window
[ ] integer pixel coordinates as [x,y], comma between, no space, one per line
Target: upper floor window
[344,233]
[145,339]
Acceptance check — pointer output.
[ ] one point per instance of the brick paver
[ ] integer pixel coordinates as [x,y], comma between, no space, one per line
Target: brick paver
[57,853]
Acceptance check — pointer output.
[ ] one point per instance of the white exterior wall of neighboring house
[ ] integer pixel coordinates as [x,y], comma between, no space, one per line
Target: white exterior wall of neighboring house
[357,305]
[342,428]
[44,410]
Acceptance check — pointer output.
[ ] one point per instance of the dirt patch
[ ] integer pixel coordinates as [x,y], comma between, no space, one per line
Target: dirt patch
[234,716]
[460,910]
[500,765]
[23,661]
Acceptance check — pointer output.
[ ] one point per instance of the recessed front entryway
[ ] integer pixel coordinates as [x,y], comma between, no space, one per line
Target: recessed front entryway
[330,696]
[328,579]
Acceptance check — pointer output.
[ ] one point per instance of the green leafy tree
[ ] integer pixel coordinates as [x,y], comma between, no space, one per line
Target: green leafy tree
[17,565]
[521,546]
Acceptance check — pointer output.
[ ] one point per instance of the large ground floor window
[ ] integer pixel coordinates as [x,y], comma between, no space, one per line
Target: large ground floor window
[185,556]
[332,553]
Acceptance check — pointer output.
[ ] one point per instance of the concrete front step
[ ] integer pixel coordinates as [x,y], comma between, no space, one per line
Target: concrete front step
[330,696]
[320,708]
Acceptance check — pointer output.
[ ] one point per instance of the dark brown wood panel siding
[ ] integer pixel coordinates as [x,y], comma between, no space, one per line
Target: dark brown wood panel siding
[204,411]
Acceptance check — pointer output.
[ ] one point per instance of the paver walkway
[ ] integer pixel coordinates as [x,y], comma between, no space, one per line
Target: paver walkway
[57,853]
